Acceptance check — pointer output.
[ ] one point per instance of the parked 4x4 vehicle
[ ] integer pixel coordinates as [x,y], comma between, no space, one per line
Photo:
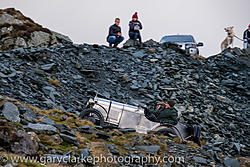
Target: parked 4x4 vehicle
[185,42]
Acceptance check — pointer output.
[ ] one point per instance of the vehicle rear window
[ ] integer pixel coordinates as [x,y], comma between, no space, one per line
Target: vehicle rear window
[177,38]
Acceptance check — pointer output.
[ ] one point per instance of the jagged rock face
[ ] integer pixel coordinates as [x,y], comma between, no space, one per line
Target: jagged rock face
[16,140]
[9,19]
[213,93]
[16,30]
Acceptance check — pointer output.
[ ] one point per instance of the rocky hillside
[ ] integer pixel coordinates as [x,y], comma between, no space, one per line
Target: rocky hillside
[17,30]
[213,93]
[43,90]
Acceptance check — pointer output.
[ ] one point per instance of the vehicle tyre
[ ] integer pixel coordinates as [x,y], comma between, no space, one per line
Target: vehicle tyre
[167,131]
[159,128]
[163,129]
[92,115]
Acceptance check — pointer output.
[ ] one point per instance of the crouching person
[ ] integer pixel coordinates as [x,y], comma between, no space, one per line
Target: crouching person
[167,115]
[115,36]
[134,29]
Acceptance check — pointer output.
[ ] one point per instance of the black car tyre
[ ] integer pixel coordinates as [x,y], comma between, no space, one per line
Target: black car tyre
[92,115]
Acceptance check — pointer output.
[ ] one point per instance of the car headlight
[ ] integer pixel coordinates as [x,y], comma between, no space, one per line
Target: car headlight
[190,46]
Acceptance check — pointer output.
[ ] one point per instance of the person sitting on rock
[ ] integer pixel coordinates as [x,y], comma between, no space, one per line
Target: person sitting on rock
[134,29]
[246,37]
[166,114]
[115,36]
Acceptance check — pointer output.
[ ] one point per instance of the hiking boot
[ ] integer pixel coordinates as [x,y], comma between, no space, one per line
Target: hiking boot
[115,46]
[141,45]
[110,45]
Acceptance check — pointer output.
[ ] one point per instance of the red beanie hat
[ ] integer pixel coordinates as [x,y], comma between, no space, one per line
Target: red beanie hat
[135,15]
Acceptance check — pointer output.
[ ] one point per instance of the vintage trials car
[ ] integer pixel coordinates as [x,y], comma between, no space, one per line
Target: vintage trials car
[102,111]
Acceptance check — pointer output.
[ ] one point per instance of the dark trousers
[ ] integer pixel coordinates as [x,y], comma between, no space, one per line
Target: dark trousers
[115,40]
[135,36]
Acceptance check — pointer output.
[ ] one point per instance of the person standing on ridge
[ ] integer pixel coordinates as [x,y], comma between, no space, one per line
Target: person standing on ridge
[134,29]
[115,36]
[246,38]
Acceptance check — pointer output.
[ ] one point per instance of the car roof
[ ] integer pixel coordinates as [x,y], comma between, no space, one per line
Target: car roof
[176,37]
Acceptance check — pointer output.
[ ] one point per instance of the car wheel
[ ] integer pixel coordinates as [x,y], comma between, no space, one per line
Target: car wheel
[92,115]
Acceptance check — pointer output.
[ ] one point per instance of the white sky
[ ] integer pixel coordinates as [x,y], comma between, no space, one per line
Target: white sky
[87,21]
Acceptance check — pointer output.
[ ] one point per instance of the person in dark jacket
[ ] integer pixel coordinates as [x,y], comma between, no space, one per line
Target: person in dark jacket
[134,29]
[166,114]
[246,38]
[115,35]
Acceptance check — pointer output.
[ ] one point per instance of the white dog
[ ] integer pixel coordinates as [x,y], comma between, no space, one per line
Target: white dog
[229,39]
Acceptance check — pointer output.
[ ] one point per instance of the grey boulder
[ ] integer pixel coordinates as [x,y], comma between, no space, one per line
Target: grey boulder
[42,128]
[11,112]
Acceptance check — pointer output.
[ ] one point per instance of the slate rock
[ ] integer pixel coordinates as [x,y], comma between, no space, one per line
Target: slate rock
[84,152]
[237,146]
[15,140]
[48,89]
[89,131]
[25,145]
[77,77]
[11,112]
[61,127]
[167,80]
[84,128]
[114,151]
[3,75]
[68,152]
[9,19]
[68,132]
[39,38]
[103,135]
[230,55]
[69,139]
[128,43]
[223,99]
[24,122]
[134,87]
[138,54]
[150,149]
[48,67]
[42,128]
[229,162]
[48,121]
[200,160]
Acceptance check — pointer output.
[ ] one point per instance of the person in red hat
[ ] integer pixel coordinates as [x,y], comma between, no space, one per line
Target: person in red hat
[134,29]
[246,38]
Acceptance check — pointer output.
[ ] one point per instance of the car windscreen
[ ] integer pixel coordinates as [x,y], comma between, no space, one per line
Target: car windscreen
[178,38]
